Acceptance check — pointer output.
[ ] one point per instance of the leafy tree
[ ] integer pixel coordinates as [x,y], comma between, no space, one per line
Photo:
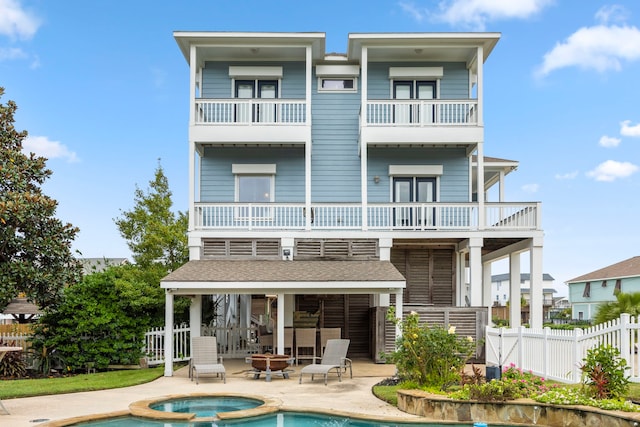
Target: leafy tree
[35,246]
[154,233]
[102,319]
[625,303]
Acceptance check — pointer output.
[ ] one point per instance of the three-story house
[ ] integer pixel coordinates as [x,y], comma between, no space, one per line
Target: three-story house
[343,184]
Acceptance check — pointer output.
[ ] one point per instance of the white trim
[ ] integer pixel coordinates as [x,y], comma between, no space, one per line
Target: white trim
[337,70]
[415,170]
[240,72]
[415,72]
[257,169]
[323,78]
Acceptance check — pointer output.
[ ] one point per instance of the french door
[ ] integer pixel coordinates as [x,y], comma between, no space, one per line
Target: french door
[256,89]
[410,112]
[409,192]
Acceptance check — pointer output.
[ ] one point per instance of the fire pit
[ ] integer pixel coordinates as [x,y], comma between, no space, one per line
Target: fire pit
[274,362]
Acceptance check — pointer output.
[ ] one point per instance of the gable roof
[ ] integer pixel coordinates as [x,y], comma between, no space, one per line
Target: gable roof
[627,268]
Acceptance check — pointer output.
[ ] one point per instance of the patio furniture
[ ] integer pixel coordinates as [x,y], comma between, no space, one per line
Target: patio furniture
[204,358]
[334,358]
[305,340]
[328,334]
[270,364]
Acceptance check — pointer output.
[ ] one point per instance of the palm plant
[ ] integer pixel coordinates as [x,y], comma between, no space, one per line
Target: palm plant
[625,303]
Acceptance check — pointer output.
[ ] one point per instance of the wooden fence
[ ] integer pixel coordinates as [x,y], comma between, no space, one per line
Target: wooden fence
[558,354]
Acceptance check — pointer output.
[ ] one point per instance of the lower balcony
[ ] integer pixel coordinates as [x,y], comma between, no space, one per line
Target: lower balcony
[379,216]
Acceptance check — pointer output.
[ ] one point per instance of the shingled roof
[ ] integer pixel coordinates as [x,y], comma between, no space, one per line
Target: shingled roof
[626,268]
[284,271]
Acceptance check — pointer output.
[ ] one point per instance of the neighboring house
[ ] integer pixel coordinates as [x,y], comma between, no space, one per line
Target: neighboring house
[501,288]
[588,291]
[342,184]
[500,295]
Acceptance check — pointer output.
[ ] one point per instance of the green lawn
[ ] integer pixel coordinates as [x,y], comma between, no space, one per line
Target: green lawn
[85,382]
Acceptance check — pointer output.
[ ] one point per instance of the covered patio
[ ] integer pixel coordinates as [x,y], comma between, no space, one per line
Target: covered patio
[282,278]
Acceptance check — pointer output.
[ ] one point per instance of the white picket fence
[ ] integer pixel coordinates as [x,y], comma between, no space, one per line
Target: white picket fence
[558,354]
[154,344]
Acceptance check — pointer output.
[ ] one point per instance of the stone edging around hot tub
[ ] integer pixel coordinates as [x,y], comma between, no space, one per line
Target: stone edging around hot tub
[142,408]
[522,411]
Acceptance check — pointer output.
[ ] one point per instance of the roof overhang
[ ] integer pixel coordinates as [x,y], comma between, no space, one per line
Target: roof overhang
[272,277]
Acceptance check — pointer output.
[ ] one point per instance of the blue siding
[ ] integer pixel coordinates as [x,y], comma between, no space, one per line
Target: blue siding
[218,183]
[335,161]
[216,82]
[454,182]
[453,85]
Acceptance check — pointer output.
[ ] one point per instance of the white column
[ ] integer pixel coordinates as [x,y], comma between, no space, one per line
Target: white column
[364,151]
[195,316]
[480,64]
[168,331]
[486,286]
[398,312]
[308,143]
[515,309]
[280,324]
[536,304]
[480,185]
[475,271]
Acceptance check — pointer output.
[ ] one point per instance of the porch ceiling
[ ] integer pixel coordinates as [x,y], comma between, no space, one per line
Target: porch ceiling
[304,277]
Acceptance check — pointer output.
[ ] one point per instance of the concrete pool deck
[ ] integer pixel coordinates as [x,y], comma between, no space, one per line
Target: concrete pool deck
[350,395]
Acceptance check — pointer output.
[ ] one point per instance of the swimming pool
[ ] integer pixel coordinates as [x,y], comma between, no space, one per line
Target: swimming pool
[279,419]
[206,406]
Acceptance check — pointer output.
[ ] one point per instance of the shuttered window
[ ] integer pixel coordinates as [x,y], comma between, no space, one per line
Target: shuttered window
[587,290]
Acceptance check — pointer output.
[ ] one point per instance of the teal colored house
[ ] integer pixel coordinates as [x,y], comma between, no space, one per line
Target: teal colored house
[341,184]
[588,291]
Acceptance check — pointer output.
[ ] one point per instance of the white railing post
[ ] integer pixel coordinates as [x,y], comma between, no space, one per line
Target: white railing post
[521,347]
[545,352]
[625,348]
[577,355]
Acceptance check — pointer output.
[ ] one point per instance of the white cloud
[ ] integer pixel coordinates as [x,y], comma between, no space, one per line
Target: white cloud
[16,22]
[42,146]
[412,10]
[626,129]
[611,170]
[476,13]
[530,188]
[612,13]
[609,141]
[11,53]
[600,48]
[568,175]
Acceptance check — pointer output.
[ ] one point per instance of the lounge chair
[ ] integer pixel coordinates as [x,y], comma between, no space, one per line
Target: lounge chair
[334,357]
[204,358]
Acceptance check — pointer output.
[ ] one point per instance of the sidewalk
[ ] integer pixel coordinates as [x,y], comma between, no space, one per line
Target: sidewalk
[350,395]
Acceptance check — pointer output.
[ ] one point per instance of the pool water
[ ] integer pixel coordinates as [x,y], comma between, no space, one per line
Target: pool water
[281,419]
[208,406]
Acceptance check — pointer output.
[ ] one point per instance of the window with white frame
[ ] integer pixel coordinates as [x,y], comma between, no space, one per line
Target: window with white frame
[337,77]
[337,84]
[254,189]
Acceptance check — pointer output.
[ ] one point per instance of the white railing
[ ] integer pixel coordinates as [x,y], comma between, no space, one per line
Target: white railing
[422,112]
[380,216]
[234,342]
[16,339]
[154,344]
[513,215]
[250,111]
[558,354]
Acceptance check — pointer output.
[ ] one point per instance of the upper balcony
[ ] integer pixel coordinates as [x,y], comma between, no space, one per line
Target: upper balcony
[433,121]
[262,121]
[379,216]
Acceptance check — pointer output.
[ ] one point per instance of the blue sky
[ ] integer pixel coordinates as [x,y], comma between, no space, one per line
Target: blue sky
[102,90]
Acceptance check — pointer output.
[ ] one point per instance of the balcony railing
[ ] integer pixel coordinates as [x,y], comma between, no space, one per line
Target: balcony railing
[419,113]
[250,111]
[380,216]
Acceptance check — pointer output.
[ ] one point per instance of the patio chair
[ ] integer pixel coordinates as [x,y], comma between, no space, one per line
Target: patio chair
[328,334]
[305,339]
[204,358]
[334,358]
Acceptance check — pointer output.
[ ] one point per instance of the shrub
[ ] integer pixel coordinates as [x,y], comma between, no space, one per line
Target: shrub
[603,372]
[12,364]
[430,356]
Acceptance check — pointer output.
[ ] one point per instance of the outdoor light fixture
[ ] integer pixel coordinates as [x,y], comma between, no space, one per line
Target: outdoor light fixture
[376,179]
